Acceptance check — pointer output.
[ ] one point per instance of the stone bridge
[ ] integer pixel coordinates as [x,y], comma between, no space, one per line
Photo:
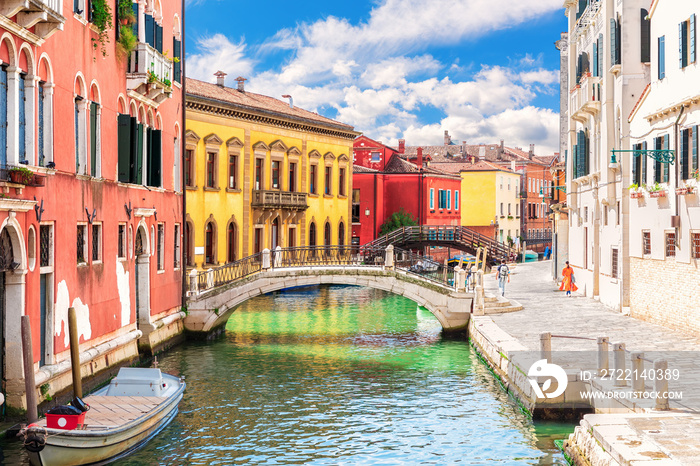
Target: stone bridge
[215,293]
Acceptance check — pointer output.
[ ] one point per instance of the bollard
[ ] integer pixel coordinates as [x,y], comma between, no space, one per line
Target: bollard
[278,256]
[661,384]
[74,352]
[546,346]
[389,258]
[480,278]
[523,249]
[603,360]
[637,360]
[479,300]
[266,259]
[461,280]
[193,282]
[28,359]
[619,368]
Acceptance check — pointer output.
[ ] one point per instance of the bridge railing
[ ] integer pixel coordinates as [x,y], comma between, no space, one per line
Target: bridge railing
[426,268]
[326,256]
[229,273]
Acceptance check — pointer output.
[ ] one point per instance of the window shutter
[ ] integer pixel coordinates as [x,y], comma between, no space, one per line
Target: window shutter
[135,8]
[662,57]
[666,169]
[150,34]
[645,37]
[681,45]
[154,157]
[77,138]
[595,59]
[644,164]
[124,147]
[683,159]
[22,121]
[176,65]
[137,176]
[600,55]
[3,116]
[695,148]
[634,163]
[574,165]
[93,139]
[159,38]
[692,38]
[40,126]
[613,41]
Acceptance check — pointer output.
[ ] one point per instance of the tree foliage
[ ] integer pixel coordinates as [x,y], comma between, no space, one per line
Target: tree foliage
[397,220]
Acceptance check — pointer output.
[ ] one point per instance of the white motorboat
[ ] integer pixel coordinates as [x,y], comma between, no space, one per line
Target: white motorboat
[135,406]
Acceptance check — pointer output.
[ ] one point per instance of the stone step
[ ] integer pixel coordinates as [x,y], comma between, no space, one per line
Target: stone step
[502,306]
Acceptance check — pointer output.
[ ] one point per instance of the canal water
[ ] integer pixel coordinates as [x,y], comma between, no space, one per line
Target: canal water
[340,375]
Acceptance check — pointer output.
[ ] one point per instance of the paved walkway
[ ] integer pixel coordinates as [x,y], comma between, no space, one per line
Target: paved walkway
[546,309]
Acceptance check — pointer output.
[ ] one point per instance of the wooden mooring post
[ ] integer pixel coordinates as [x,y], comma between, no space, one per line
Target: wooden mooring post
[74,352]
[28,359]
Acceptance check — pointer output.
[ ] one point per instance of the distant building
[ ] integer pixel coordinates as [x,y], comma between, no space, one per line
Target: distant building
[261,173]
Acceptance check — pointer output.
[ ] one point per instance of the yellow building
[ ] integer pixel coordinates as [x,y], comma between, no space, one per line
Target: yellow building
[490,196]
[261,173]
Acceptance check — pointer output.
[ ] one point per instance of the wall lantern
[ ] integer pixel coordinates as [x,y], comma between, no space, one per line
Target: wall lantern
[367,212]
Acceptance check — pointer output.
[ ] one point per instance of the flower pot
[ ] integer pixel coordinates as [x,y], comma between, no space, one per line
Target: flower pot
[38,180]
[657,194]
[685,190]
[636,195]
[20,177]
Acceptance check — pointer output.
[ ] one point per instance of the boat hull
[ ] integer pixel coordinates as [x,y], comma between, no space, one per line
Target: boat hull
[81,447]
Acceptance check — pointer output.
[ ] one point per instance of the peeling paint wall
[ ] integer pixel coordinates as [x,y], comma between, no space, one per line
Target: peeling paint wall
[61,313]
[123,288]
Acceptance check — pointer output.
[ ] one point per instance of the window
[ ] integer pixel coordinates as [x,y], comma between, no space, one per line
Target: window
[341,234]
[132,138]
[501,183]
[79,113]
[121,241]
[312,179]
[154,32]
[312,234]
[456,200]
[605,215]
[646,243]
[502,209]
[637,165]
[355,206]
[585,214]
[686,42]
[661,170]
[209,244]
[81,244]
[376,157]
[695,245]
[508,184]
[154,158]
[615,41]
[275,174]
[96,242]
[22,117]
[189,168]
[341,182]
[618,214]
[176,249]
[449,199]
[662,57]
[670,244]
[211,169]
[442,199]
[432,199]
[94,139]
[231,243]
[509,209]
[327,186]
[292,176]
[232,171]
[259,174]
[45,245]
[645,36]
[160,249]
[177,65]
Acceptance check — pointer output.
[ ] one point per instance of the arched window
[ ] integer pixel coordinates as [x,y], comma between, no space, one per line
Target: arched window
[209,244]
[341,234]
[312,234]
[231,242]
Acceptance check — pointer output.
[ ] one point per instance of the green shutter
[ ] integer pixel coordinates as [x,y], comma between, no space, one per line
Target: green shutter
[662,57]
[613,41]
[683,159]
[595,59]
[177,65]
[682,40]
[154,158]
[93,139]
[138,163]
[634,161]
[600,55]
[695,148]
[692,38]
[124,147]
[644,164]
[666,169]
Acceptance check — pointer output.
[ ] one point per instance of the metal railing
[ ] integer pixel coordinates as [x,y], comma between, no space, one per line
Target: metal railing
[424,267]
[228,273]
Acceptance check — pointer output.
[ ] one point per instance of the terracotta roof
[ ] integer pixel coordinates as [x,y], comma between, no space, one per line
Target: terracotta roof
[398,165]
[257,102]
[456,167]
[361,169]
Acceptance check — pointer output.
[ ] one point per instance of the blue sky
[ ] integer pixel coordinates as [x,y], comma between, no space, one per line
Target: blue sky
[484,70]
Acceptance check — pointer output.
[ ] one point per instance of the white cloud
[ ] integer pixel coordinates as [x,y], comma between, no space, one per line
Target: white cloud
[218,53]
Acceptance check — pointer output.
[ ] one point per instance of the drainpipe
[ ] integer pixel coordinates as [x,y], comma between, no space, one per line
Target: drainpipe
[183,227]
[374,231]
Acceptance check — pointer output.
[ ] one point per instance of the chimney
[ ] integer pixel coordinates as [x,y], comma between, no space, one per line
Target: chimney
[291,101]
[419,161]
[531,154]
[447,138]
[402,146]
[501,150]
[241,86]
[220,75]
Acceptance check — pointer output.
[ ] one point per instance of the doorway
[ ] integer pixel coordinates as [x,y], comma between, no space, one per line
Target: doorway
[274,233]
[142,277]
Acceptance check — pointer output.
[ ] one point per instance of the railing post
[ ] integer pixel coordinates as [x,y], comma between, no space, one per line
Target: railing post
[266,259]
[603,361]
[619,369]
[637,360]
[523,249]
[278,256]
[661,384]
[546,346]
[389,258]
[483,262]
[193,282]
[210,278]
[460,277]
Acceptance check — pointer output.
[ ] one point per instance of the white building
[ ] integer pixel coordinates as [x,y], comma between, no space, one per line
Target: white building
[608,71]
[664,234]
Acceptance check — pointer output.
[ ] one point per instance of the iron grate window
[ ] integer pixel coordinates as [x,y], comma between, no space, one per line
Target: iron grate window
[695,245]
[44,245]
[614,263]
[96,242]
[646,242]
[80,243]
[671,244]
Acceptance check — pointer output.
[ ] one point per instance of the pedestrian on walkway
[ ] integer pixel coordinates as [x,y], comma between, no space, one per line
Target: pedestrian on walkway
[568,284]
[503,275]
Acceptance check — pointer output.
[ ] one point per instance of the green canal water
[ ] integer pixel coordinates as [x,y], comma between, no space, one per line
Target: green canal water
[339,375]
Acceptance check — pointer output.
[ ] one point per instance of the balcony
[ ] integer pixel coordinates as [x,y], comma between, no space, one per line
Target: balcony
[149,74]
[585,98]
[274,200]
[43,15]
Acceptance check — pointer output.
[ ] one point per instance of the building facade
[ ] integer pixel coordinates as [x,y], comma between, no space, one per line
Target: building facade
[664,231]
[91,211]
[261,173]
[605,82]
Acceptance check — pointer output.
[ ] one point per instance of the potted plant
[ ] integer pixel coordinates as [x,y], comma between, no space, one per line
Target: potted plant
[21,175]
[102,21]
[127,39]
[125,11]
[658,190]
[636,192]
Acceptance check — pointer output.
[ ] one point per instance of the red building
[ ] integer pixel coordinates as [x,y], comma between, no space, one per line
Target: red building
[384,183]
[92,207]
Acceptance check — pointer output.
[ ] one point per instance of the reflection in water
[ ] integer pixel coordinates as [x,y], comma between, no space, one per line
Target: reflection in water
[341,375]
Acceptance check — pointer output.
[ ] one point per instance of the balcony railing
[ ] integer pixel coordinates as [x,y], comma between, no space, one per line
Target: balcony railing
[585,98]
[150,72]
[279,200]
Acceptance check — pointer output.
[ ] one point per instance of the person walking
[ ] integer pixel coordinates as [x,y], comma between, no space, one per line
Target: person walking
[503,275]
[568,283]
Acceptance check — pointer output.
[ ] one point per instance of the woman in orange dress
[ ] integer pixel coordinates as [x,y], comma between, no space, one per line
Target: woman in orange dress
[567,284]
